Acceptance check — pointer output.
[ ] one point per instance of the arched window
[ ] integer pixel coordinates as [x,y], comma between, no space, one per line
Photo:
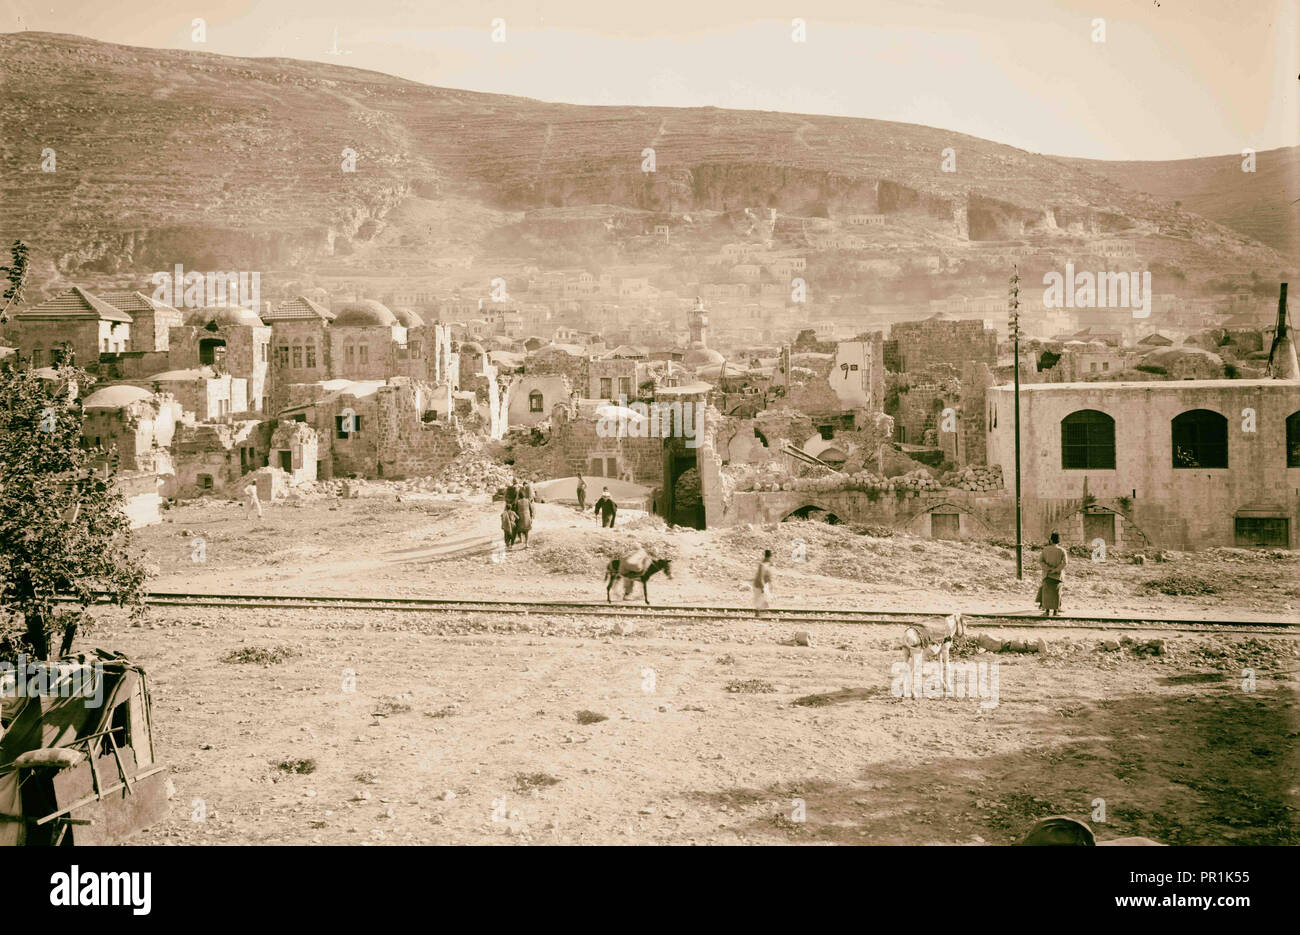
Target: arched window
[1293,439]
[297,357]
[535,401]
[1200,439]
[1088,441]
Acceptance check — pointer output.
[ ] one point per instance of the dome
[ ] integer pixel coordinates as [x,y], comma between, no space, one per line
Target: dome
[702,357]
[115,397]
[365,314]
[408,318]
[471,347]
[224,316]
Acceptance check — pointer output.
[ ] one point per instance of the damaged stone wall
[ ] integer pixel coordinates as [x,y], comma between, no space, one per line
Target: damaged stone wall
[922,344]
[407,445]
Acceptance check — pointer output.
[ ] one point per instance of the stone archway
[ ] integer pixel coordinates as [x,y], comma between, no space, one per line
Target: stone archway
[987,525]
[815,512]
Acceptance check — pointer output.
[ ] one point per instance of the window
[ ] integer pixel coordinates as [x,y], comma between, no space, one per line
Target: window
[1293,439]
[311,354]
[363,354]
[1200,439]
[38,356]
[205,481]
[282,355]
[349,354]
[827,432]
[625,386]
[264,349]
[535,401]
[1092,367]
[1262,530]
[1105,365]
[606,387]
[1087,441]
[297,357]
[338,427]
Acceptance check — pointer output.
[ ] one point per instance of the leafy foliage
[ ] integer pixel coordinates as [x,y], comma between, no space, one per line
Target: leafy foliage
[63,532]
[16,274]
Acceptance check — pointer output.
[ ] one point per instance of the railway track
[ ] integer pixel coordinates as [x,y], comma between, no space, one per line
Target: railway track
[802,615]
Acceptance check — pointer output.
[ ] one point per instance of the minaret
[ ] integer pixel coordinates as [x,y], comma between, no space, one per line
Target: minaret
[699,324]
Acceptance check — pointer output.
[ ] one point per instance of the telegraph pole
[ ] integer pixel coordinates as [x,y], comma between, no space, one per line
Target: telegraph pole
[1014,308]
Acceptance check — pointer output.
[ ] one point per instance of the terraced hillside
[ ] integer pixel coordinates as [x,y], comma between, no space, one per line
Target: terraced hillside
[167,156]
[1264,204]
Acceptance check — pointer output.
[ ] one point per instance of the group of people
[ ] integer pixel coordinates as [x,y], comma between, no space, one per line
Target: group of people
[605,506]
[517,514]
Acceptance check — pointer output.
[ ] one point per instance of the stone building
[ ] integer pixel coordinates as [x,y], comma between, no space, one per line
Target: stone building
[74,321]
[231,340]
[132,425]
[299,342]
[151,320]
[940,339]
[1177,464]
[294,450]
[531,397]
[204,394]
[611,379]
[364,339]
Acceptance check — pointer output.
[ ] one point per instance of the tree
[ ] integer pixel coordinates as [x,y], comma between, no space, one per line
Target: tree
[63,533]
[16,274]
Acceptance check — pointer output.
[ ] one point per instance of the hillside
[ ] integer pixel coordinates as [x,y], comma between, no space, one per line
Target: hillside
[1260,204]
[167,156]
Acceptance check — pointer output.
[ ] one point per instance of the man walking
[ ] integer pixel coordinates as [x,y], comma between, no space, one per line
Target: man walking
[607,508]
[762,584]
[1052,559]
[582,494]
[253,503]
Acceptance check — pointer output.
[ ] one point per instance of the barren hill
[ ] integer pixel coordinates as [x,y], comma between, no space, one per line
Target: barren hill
[1261,204]
[167,156]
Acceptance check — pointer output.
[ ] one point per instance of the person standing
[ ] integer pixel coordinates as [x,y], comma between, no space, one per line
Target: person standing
[1053,560]
[253,503]
[762,584]
[508,525]
[582,494]
[523,517]
[606,507]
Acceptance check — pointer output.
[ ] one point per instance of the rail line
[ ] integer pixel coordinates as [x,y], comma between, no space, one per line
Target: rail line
[805,615]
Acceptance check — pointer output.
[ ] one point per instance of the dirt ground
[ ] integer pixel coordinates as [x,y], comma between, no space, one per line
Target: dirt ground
[354,727]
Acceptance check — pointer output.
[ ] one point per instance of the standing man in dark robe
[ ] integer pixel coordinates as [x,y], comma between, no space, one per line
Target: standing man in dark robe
[582,494]
[523,517]
[1052,559]
[606,507]
[508,525]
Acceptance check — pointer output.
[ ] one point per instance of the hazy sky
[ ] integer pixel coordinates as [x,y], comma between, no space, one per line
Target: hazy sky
[1173,79]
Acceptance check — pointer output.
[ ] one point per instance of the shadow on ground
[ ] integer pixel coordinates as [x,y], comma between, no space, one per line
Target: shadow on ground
[1216,767]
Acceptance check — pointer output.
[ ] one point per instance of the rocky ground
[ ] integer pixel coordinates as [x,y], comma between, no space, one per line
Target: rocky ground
[385,727]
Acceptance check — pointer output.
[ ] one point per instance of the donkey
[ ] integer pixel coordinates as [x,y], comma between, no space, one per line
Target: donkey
[636,566]
[920,640]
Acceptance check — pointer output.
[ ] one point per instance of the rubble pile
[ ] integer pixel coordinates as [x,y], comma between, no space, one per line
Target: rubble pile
[473,472]
[913,481]
[976,478]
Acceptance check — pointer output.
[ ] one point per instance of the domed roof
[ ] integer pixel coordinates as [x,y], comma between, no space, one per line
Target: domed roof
[408,318]
[115,397]
[471,347]
[365,314]
[224,316]
[701,357]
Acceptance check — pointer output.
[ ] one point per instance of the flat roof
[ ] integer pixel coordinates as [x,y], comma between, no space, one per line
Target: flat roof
[1146,385]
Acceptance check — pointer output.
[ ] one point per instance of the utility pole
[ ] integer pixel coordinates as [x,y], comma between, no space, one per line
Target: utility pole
[1014,308]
